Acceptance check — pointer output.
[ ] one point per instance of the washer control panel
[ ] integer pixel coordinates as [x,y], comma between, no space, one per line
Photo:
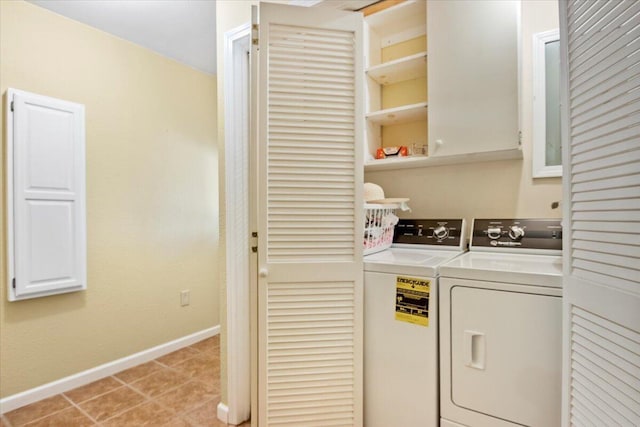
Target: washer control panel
[517,233]
[437,232]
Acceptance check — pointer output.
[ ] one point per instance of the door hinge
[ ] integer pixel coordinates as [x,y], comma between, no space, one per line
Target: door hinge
[254,234]
[254,34]
[13,284]
[519,137]
[254,249]
[11,105]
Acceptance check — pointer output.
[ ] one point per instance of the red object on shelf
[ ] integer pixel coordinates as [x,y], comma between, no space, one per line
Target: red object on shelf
[383,153]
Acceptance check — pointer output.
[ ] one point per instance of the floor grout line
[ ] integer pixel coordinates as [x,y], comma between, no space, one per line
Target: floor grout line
[94,396]
[118,379]
[45,416]
[77,406]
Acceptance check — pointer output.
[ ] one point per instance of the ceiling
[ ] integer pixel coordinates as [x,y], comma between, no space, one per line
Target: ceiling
[184,30]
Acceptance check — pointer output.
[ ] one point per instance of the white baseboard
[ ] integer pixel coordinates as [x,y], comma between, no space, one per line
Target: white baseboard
[223,413]
[90,375]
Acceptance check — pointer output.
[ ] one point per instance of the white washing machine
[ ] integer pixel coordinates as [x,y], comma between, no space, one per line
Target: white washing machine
[501,327]
[401,323]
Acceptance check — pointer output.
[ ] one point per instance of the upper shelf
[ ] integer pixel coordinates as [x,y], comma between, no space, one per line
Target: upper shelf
[399,18]
[397,115]
[407,68]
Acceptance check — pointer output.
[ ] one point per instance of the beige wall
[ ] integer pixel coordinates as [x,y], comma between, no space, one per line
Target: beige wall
[492,189]
[152,199]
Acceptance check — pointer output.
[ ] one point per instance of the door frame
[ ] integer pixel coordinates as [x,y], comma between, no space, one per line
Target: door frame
[237,44]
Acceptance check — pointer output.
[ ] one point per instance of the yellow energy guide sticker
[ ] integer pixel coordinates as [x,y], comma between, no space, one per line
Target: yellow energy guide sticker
[412,300]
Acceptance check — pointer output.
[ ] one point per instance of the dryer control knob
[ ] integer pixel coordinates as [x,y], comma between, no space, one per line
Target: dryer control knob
[516,232]
[440,232]
[494,233]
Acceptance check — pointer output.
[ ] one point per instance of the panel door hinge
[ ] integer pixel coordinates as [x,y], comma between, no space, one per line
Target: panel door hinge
[11,105]
[520,137]
[254,234]
[254,249]
[254,34]
[13,283]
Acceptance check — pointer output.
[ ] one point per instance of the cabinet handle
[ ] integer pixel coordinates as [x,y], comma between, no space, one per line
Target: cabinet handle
[263,272]
[437,145]
[474,349]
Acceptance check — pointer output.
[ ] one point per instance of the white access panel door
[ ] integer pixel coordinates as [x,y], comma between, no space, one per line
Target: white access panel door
[46,168]
[310,216]
[601,163]
[506,355]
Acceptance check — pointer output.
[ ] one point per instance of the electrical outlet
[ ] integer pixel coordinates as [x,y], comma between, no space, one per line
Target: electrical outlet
[185,297]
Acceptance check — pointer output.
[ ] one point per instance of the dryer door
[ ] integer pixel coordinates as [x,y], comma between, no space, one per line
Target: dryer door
[506,354]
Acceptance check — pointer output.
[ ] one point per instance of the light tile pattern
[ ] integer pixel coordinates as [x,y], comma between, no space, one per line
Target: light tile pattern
[180,389]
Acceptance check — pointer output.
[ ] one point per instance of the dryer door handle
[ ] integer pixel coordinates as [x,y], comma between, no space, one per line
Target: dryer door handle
[474,349]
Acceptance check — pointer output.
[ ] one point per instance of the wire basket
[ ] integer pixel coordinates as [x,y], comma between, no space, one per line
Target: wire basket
[379,223]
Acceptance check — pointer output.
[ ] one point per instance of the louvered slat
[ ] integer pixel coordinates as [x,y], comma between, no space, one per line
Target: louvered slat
[315,357]
[603,191]
[317,50]
[606,363]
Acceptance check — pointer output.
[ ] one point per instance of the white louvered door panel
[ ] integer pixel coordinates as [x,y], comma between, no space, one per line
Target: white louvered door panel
[310,138]
[601,157]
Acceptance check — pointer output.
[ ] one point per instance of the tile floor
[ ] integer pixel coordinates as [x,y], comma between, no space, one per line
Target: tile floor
[180,389]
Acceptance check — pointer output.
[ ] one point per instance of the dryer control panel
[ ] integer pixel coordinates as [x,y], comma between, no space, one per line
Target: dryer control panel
[517,234]
[433,232]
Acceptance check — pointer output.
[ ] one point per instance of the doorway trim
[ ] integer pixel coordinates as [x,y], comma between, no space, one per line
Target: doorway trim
[237,44]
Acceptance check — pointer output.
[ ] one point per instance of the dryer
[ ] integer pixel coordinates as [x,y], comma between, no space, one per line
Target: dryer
[501,327]
[401,322]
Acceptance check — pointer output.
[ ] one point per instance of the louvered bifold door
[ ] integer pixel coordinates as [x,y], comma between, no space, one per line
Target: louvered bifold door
[310,217]
[601,160]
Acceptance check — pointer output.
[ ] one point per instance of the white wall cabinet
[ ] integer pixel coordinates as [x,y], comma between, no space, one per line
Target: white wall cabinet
[470,63]
[45,195]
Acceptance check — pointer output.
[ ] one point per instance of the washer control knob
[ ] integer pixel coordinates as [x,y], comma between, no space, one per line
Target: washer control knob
[440,232]
[516,232]
[494,233]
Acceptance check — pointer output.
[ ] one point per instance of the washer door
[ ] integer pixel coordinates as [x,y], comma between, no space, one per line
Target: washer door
[506,354]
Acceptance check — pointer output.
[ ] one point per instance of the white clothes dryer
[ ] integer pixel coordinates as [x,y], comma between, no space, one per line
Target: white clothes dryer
[501,327]
[401,323]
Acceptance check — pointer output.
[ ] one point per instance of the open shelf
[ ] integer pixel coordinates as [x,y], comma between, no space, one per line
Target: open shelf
[408,15]
[403,114]
[391,163]
[407,68]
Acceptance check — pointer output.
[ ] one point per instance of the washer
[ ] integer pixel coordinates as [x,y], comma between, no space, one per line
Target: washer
[501,327]
[401,323]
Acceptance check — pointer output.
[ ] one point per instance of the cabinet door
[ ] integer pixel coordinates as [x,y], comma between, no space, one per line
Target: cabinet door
[46,196]
[310,217]
[473,76]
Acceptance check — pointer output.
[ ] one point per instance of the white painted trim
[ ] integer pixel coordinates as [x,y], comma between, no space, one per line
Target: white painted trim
[223,413]
[540,169]
[237,44]
[18,400]
[9,189]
